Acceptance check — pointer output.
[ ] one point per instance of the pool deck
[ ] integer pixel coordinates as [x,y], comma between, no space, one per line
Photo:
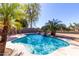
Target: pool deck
[71,50]
[74,37]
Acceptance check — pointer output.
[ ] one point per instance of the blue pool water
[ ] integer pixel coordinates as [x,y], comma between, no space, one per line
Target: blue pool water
[41,45]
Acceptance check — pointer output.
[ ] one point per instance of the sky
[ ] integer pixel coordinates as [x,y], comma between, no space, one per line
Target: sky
[67,13]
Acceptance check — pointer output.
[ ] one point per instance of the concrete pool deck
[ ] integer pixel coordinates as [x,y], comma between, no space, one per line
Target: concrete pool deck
[67,35]
[71,50]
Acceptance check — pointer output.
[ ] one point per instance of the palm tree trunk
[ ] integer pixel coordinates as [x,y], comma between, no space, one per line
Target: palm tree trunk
[53,33]
[4,38]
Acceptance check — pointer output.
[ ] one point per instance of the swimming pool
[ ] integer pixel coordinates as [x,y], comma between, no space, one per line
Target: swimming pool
[41,45]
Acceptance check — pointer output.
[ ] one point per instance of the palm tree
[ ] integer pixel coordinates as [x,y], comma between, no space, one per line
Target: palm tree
[15,26]
[32,12]
[53,26]
[8,12]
